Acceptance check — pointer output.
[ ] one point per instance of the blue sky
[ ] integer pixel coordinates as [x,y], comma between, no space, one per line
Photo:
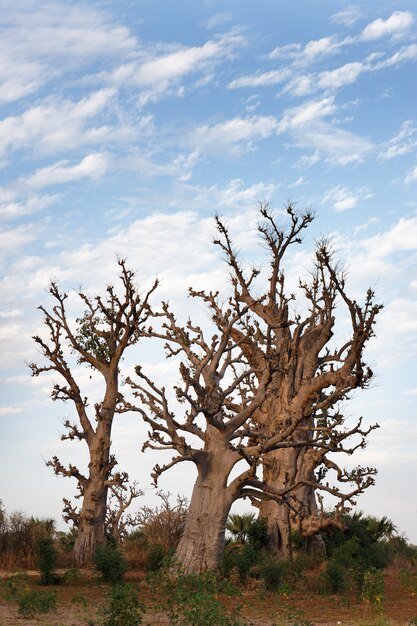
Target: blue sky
[124,127]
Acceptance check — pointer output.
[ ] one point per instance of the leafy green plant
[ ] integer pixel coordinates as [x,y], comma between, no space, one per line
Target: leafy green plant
[15,585]
[241,560]
[46,562]
[293,616]
[240,525]
[123,608]
[191,600]
[408,580]
[345,569]
[32,602]
[110,563]
[373,587]
[71,575]
[272,573]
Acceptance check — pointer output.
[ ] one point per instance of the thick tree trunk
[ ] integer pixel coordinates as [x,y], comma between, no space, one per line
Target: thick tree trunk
[282,469]
[91,529]
[92,518]
[201,546]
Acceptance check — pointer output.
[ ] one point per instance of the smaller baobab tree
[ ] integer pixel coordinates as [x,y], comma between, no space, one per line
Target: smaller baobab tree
[98,340]
[222,391]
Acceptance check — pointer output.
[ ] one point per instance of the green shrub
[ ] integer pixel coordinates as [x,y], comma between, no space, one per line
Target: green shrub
[191,601]
[272,573]
[124,607]
[157,555]
[201,608]
[33,602]
[373,587]
[110,563]
[345,568]
[241,559]
[71,575]
[46,561]
[15,585]
[258,533]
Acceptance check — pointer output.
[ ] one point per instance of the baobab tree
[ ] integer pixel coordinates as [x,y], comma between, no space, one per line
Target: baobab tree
[310,379]
[98,340]
[222,421]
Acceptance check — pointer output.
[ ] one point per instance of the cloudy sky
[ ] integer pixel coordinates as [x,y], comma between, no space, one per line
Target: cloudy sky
[126,125]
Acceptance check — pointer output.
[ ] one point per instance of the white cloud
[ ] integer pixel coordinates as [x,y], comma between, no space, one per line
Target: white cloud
[411,176]
[234,134]
[401,237]
[19,207]
[234,195]
[313,50]
[158,74]
[407,53]
[307,113]
[10,410]
[14,239]
[265,79]
[403,142]
[302,85]
[42,41]
[177,64]
[341,76]
[336,145]
[397,23]
[347,16]
[57,125]
[92,166]
[342,198]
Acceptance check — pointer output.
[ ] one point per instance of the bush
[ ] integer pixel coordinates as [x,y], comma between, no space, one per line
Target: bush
[19,535]
[191,601]
[33,602]
[124,607]
[47,556]
[110,563]
[258,533]
[241,559]
[272,573]
[15,585]
[345,568]
[373,587]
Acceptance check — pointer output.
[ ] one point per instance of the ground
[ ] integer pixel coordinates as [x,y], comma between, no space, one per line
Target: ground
[78,600]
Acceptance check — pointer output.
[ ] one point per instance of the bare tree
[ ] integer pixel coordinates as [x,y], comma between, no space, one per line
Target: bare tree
[163,524]
[228,383]
[109,326]
[310,379]
[117,520]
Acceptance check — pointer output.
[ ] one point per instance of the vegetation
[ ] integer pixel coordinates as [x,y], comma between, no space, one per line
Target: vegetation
[123,608]
[354,572]
[110,563]
[47,556]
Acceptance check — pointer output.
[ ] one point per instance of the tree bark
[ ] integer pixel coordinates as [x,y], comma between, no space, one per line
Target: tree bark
[201,546]
[281,469]
[92,517]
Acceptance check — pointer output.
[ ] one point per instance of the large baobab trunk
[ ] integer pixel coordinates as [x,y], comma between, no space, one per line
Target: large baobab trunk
[201,546]
[282,469]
